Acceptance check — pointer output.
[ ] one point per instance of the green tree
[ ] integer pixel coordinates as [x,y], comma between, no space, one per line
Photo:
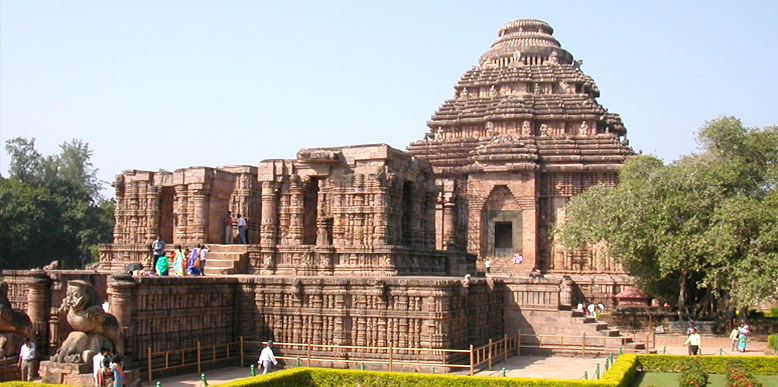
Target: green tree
[702,229]
[51,208]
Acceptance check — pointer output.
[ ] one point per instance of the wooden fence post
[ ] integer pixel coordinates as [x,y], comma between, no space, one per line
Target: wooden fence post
[198,357]
[518,342]
[391,365]
[149,360]
[241,352]
[472,364]
[583,346]
[505,346]
[309,353]
[490,354]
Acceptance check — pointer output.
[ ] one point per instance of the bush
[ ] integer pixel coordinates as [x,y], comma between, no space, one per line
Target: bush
[771,341]
[758,365]
[774,311]
[738,375]
[692,374]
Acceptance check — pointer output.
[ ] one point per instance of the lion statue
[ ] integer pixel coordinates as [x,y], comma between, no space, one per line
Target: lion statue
[15,325]
[93,327]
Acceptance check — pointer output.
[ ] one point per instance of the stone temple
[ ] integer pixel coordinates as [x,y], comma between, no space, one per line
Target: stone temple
[369,245]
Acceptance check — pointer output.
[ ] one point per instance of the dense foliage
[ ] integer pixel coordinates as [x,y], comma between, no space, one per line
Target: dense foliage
[51,208]
[693,230]
[738,375]
[692,374]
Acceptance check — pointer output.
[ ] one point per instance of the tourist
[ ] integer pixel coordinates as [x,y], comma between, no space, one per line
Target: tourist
[178,262]
[117,366]
[204,250]
[97,366]
[162,265]
[518,258]
[242,232]
[193,262]
[266,357]
[228,228]
[693,341]
[691,328]
[734,336]
[157,249]
[743,333]
[487,264]
[27,359]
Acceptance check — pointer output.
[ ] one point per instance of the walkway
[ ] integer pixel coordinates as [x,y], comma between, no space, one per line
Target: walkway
[557,367]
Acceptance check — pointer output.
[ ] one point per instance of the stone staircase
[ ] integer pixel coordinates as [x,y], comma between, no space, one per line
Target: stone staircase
[226,259]
[567,334]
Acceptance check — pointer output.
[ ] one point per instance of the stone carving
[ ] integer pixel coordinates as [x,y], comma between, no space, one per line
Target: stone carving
[526,129]
[489,129]
[577,64]
[94,328]
[584,129]
[317,155]
[553,58]
[544,130]
[15,325]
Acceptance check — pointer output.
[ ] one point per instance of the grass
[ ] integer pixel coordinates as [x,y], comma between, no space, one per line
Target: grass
[671,379]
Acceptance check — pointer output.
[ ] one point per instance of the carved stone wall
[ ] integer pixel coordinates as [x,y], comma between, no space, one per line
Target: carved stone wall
[527,119]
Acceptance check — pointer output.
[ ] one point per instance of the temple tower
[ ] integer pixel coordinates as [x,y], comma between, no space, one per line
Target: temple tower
[522,135]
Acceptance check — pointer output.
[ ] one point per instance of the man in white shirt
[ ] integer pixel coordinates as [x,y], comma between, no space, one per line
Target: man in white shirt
[97,366]
[266,357]
[27,360]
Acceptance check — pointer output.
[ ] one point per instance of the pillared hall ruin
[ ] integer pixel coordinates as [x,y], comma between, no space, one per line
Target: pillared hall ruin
[369,245]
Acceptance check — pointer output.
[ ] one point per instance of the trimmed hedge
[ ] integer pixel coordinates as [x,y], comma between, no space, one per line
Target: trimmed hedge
[619,375]
[758,365]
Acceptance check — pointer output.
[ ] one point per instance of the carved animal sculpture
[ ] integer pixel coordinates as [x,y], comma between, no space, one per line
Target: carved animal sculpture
[15,325]
[94,328]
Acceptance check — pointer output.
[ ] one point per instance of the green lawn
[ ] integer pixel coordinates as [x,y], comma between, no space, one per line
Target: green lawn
[663,379]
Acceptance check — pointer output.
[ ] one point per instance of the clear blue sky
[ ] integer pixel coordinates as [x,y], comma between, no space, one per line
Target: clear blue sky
[170,84]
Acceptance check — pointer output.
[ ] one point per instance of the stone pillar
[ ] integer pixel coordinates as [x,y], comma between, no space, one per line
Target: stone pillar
[201,206]
[429,220]
[296,210]
[449,223]
[180,214]
[38,297]
[120,288]
[153,196]
[417,214]
[269,228]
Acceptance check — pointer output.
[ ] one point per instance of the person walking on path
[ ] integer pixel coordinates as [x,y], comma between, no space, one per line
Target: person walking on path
[266,357]
[734,336]
[742,337]
[242,232]
[27,360]
[693,341]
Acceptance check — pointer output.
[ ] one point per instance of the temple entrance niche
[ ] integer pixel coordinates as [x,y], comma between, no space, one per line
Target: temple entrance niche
[166,223]
[310,210]
[501,224]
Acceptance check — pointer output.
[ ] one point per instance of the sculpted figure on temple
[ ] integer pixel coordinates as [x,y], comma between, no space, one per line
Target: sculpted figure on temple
[526,130]
[544,130]
[584,130]
[93,327]
[552,59]
[15,325]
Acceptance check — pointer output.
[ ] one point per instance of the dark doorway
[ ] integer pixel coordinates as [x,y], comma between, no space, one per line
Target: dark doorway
[166,223]
[407,214]
[503,239]
[310,206]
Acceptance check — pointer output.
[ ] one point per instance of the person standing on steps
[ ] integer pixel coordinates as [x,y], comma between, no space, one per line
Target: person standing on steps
[157,249]
[242,231]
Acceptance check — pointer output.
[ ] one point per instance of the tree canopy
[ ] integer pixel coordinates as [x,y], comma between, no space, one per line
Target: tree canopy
[702,229]
[51,208]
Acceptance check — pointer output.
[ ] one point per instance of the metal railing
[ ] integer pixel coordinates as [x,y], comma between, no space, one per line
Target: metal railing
[309,354]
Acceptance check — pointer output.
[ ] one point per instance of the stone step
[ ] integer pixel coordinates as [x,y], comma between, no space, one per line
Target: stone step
[219,263]
[240,249]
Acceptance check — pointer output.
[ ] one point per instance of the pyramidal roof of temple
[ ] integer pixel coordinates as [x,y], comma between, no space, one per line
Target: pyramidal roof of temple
[526,105]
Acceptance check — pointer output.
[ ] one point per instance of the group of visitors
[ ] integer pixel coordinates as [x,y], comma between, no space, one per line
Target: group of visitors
[739,336]
[185,261]
[243,231]
[108,370]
